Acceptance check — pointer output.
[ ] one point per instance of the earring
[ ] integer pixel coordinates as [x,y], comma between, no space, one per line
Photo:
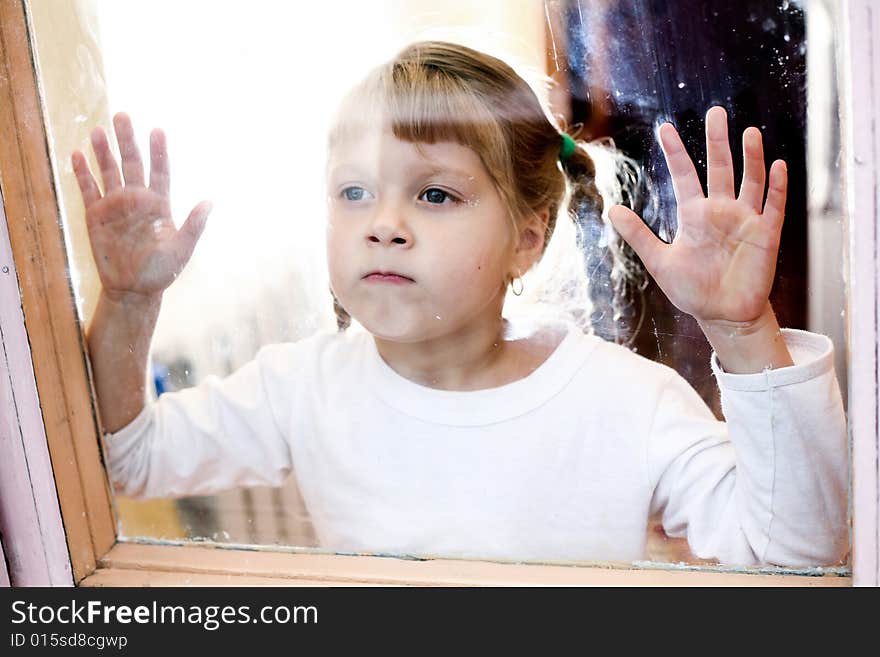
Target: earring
[513,285]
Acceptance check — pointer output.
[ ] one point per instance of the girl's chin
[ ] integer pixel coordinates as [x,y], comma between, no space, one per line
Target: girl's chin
[393,334]
[399,330]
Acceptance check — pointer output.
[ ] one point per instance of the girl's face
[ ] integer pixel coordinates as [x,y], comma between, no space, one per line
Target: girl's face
[419,244]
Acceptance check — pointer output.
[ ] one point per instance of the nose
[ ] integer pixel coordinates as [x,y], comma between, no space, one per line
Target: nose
[389,227]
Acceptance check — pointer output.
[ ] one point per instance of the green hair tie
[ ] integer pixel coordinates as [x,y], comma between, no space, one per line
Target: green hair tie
[568,147]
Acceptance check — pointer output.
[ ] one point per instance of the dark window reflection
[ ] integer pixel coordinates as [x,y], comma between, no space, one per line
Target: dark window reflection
[630,66]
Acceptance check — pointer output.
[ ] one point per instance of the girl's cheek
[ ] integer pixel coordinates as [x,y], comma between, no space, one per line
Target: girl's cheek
[486,263]
[479,272]
[337,239]
[336,261]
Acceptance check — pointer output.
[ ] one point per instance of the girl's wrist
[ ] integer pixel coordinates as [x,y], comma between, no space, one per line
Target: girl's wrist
[130,317]
[748,347]
[132,301]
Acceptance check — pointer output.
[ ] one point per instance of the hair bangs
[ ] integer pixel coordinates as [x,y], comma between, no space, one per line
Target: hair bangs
[422,104]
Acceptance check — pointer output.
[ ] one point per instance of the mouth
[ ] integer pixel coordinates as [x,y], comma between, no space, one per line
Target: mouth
[387,277]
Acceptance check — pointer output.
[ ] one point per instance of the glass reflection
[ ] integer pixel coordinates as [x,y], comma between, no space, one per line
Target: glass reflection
[621,69]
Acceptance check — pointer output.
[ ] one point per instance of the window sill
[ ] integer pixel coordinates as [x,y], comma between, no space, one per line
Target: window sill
[132,564]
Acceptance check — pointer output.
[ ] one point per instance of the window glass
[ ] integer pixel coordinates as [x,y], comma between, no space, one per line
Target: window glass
[246,97]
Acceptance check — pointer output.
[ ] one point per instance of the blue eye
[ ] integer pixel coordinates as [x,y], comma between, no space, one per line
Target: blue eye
[354,193]
[436,196]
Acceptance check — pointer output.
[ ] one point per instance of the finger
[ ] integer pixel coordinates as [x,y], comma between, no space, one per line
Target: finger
[132,165]
[160,178]
[106,162]
[192,228]
[754,175]
[719,161]
[84,178]
[685,180]
[630,226]
[774,208]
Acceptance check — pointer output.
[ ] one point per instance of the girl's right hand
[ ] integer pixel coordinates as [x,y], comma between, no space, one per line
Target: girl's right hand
[137,249]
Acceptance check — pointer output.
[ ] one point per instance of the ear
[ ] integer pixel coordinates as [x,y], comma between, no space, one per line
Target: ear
[531,239]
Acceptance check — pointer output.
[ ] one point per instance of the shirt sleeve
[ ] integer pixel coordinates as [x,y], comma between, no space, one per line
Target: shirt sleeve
[221,434]
[769,485]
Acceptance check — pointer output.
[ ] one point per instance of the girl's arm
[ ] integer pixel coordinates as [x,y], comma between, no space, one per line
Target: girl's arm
[221,434]
[721,264]
[218,435]
[138,253]
[776,493]
[769,485]
[118,338]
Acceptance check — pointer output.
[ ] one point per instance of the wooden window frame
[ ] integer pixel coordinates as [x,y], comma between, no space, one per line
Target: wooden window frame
[49,398]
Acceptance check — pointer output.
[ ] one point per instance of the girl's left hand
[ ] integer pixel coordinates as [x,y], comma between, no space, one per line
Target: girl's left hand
[721,263]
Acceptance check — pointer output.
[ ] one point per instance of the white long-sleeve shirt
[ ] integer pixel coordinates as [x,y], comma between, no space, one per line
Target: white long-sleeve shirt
[567,463]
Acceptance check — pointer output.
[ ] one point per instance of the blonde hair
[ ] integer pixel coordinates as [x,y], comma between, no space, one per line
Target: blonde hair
[434,91]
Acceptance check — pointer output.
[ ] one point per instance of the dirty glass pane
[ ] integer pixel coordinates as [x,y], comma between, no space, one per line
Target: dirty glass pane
[246,99]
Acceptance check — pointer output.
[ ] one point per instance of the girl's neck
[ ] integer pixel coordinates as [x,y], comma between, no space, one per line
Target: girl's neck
[476,358]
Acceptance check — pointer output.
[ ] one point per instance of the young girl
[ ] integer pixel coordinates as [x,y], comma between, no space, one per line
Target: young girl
[443,428]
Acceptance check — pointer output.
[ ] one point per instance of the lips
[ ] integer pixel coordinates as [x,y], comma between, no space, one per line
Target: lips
[388,276]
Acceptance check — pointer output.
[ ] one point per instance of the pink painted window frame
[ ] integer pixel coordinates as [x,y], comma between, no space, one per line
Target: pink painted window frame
[34,551]
[861,124]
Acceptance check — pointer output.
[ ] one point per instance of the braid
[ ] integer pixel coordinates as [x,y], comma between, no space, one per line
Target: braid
[585,196]
[597,239]
[343,319]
